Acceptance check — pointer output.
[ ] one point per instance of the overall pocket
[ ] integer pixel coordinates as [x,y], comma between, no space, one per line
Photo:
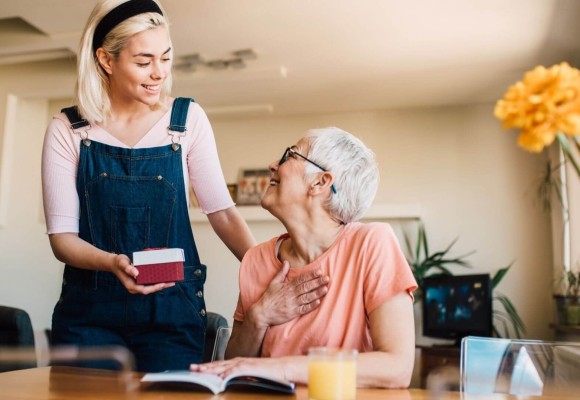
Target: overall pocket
[128,214]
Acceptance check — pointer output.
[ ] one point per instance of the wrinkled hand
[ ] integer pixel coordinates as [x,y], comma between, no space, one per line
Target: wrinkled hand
[285,300]
[270,366]
[126,273]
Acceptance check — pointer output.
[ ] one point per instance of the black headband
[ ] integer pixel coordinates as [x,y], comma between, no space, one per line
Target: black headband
[119,14]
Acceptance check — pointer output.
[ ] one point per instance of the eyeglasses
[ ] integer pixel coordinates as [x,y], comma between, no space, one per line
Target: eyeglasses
[291,152]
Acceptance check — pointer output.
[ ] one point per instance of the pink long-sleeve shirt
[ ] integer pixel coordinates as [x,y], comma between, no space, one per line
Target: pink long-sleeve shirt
[60,159]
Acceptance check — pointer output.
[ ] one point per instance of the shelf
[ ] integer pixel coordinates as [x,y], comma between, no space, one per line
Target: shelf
[575,329]
[377,212]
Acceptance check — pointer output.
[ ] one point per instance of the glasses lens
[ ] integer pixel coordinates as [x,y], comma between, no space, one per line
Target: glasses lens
[284,156]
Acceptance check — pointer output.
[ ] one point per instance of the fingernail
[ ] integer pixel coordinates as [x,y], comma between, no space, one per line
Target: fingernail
[325,279]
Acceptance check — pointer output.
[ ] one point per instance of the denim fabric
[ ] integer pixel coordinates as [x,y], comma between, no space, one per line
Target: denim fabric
[133,199]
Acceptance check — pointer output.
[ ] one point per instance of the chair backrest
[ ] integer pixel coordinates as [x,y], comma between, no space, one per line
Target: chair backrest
[518,367]
[221,343]
[214,322]
[15,327]
[16,333]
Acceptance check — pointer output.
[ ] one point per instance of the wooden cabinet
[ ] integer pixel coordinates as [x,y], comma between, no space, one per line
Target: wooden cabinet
[566,333]
[435,357]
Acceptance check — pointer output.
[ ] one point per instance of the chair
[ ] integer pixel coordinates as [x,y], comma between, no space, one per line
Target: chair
[214,322]
[221,343]
[518,367]
[16,333]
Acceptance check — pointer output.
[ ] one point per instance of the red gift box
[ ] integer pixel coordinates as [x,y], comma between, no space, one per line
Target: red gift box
[159,265]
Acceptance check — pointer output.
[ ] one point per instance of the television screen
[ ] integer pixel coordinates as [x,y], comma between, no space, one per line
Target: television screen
[455,306]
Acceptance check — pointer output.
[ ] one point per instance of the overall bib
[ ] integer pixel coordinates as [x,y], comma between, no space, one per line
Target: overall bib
[132,199]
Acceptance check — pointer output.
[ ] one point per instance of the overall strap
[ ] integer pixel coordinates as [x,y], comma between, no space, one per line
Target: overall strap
[74,117]
[179,114]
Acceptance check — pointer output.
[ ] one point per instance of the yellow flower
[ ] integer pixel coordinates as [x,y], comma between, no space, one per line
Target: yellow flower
[545,102]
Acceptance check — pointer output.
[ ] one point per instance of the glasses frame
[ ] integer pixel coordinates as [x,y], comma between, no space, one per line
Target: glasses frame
[294,152]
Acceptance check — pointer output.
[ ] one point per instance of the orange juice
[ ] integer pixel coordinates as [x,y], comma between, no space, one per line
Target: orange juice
[331,374]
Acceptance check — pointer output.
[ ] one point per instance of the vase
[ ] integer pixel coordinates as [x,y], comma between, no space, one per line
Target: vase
[561,304]
[573,313]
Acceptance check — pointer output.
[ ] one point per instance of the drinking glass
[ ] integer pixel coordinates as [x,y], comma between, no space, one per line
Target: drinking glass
[331,373]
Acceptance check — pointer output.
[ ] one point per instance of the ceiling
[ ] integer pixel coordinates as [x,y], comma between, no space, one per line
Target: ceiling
[326,55]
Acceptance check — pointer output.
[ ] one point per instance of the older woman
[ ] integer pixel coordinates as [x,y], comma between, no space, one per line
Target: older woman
[319,189]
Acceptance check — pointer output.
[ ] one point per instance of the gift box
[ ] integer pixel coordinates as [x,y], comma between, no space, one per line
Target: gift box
[159,265]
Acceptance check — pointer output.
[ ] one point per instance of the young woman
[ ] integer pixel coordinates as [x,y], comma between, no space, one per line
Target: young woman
[116,171]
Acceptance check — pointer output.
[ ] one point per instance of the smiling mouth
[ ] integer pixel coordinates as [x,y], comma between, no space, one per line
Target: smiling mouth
[152,88]
[274,182]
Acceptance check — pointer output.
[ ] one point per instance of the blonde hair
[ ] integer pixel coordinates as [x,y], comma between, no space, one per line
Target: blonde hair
[92,87]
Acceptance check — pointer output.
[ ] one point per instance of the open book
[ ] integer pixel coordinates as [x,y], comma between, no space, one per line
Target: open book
[242,380]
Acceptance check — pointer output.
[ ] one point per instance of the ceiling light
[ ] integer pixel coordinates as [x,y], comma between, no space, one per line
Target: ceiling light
[246,54]
[193,59]
[184,67]
[217,64]
[236,63]
[193,62]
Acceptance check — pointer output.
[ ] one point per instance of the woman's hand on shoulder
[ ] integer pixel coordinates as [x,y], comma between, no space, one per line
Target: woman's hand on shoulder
[126,273]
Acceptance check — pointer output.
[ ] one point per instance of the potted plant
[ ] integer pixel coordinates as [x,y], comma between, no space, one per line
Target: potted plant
[545,107]
[568,305]
[573,309]
[423,264]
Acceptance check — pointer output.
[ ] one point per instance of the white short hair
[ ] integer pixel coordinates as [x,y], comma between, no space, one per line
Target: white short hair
[354,167]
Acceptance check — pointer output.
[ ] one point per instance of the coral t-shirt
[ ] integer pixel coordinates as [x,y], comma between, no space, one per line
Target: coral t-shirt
[366,268]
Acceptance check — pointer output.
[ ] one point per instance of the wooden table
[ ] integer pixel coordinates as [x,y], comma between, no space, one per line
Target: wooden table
[66,383]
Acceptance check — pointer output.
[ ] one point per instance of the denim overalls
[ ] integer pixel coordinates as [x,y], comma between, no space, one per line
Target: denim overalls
[132,199]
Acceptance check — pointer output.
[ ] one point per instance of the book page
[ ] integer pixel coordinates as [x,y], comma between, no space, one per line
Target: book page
[259,380]
[240,379]
[210,381]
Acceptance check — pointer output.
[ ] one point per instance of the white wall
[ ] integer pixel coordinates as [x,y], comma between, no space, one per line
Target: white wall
[469,177]
[30,274]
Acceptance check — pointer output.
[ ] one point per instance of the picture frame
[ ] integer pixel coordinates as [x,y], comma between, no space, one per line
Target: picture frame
[251,186]
[194,203]
[233,189]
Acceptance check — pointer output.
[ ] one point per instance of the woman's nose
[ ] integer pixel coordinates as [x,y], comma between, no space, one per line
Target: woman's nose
[158,71]
[274,166]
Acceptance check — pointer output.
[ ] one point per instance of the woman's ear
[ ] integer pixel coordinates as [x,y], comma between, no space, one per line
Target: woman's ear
[322,183]
[104,60]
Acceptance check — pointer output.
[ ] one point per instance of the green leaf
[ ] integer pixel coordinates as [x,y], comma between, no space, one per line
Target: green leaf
[576,141]
[512,314]
[499,275]
[408,245]
[501,320]
[568,151]
[424,264]
[422,241]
